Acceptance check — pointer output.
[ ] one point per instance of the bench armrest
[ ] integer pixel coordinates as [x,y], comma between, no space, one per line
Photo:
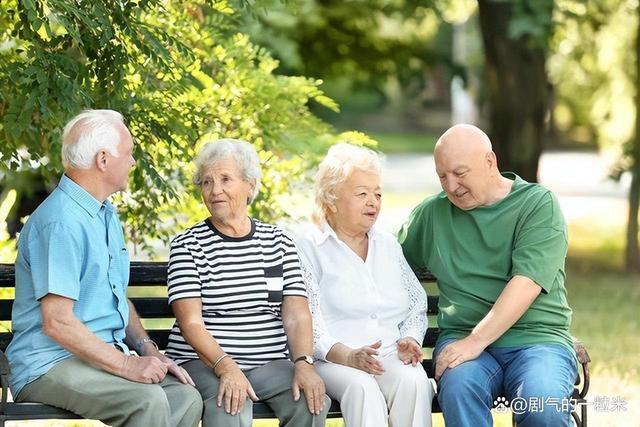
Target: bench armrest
[584,359]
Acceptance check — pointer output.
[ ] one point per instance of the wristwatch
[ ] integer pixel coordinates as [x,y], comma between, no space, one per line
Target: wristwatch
[305,358]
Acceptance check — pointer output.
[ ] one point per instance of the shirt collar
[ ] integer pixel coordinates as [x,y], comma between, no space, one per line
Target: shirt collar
[82,196]
[325,231]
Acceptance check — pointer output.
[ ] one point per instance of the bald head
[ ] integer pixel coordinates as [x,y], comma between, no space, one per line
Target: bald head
[464,138]
[467,167]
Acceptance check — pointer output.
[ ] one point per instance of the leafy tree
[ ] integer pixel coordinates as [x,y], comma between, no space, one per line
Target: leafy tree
[180,72]
[596,79]
[367,40]
[515,35]
[384,50]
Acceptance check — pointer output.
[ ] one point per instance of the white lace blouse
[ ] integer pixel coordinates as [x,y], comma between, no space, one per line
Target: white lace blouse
[358,302]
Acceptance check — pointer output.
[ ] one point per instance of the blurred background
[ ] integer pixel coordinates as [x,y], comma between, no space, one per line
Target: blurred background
[554,84]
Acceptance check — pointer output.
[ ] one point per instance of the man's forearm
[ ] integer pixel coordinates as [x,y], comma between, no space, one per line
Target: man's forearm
[65,329]
[513,302]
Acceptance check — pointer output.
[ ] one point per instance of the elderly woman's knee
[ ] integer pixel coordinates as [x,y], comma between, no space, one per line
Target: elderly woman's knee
[214,415]
[361,386]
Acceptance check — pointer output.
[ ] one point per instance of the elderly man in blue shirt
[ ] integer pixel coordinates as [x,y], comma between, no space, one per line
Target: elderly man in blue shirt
[72,322]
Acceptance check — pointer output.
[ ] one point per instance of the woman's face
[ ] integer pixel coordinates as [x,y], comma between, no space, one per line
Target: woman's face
[359,201]
[224,191]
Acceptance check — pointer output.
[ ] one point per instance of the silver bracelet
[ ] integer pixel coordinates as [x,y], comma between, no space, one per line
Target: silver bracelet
[140,344]
[217,362]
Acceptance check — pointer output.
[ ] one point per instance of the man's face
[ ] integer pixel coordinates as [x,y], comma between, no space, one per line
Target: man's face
[464,176]
[120,166]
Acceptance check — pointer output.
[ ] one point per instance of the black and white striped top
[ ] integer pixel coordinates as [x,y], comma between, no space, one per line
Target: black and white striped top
[241,282]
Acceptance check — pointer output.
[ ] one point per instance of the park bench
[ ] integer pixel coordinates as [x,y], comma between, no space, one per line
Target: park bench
[147,275]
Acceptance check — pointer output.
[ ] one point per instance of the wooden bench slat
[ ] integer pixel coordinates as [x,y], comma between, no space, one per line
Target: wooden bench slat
[147,274]
[5,309]
[152,307]
[7,275]
[35,411]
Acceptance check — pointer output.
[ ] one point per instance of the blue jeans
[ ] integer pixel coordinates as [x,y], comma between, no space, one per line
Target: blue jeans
[539,377]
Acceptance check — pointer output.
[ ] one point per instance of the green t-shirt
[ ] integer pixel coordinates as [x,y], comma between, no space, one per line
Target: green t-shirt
[475,253]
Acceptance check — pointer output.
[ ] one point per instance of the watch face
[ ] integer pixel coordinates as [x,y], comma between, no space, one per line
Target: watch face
[307,359]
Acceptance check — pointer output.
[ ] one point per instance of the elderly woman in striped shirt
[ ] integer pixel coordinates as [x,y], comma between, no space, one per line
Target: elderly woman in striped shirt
[243,327]
[369,310]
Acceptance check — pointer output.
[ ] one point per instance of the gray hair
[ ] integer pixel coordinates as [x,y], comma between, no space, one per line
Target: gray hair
[242,152]
[88,133]
[336,168]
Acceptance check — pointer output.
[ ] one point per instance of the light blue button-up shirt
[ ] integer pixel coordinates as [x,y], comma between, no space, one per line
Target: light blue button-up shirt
[72,246]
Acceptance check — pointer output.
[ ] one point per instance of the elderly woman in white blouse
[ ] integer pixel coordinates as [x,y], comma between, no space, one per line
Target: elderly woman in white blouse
[368,308]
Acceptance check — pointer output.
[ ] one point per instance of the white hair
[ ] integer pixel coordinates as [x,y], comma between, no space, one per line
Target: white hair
[242,152]
[88,133]
[335,169]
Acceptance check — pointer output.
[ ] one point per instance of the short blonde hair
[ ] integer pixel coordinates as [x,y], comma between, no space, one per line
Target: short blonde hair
[336,168]
[242,152]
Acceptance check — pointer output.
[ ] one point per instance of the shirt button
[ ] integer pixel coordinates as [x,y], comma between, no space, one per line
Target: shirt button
[374,316]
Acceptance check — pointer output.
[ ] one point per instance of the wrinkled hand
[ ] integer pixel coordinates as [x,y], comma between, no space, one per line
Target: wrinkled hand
[363,358]
[409,351]
[177,371]
[458,352]
[234,387]
[306,379]
[143,369]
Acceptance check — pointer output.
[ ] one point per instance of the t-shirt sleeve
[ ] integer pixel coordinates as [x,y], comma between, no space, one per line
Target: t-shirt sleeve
[414,237]
[183,280]
[541,243]
[53,270]
[293,283]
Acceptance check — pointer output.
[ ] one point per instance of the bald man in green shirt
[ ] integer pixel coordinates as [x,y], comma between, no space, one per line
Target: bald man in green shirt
[497,245]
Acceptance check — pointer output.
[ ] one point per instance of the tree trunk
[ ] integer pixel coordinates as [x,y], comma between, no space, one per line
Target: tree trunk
[518,91]
[632,259]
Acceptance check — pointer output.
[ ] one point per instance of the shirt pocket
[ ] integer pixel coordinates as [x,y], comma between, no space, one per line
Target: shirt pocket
[119,268]
[275,282]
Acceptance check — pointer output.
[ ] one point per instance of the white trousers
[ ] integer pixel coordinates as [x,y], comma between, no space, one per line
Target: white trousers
[401,396]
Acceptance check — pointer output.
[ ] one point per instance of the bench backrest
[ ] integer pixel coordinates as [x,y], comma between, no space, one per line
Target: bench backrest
[145,278]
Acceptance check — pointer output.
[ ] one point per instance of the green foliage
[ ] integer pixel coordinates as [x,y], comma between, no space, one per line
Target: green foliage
[532,19]
[359,44]
[180,72]
[591,69]
[7,245]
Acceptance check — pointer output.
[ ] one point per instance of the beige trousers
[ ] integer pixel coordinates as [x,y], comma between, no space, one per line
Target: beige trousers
[401,396]
[97,395]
